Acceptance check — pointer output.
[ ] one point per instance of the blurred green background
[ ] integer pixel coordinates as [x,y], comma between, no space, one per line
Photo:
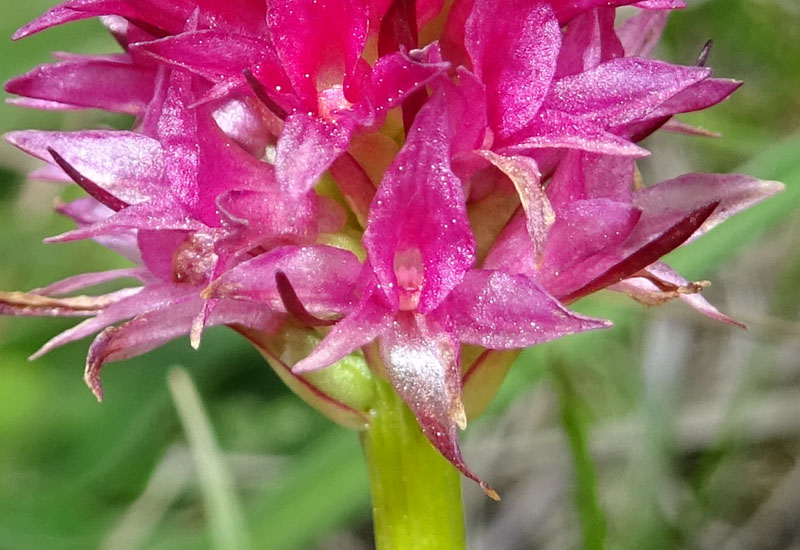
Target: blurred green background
[667,432]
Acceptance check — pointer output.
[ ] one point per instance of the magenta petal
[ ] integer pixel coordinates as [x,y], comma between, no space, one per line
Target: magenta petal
[556,129]
[369,320]
[168,16]
[733,192]
[567,9]
[621,90]
[640,34]
[154,214]
[419,214]
[583,229]
[398,75]
[500,311]
[306,148]
[66,12]
[582,175]
[589,41]
[126,164]
[176,129]
[154,328]
[422,363]
[322,276]
[212,54]
[318,41]
[654,236]
[89,82]
[514,48]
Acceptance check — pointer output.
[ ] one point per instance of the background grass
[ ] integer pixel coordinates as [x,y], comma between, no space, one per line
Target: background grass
[668,432]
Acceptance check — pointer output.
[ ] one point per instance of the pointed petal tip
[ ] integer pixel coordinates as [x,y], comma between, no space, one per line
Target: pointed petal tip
[92,379]
[491,493]
[460,415]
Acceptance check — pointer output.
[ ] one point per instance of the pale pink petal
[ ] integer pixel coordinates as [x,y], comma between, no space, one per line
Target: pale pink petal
[645,290]
[126,164]
[89,82]
[138,301]
[84,280]
[640,34]
[323,277]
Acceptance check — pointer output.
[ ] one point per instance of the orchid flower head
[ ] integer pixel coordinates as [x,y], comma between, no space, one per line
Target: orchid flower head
[365,189]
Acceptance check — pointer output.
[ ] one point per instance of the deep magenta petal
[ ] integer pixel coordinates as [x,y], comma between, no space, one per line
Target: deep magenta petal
[514,49]
[419,215]
[212,54]
[653,237]
[590,40]
[496,310]
[318,41]
[555,129]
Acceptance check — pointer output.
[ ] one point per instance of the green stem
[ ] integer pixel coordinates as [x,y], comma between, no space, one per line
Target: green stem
[416,493]
[590,511]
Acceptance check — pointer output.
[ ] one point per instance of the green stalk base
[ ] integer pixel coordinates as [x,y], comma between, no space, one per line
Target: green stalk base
[416,493]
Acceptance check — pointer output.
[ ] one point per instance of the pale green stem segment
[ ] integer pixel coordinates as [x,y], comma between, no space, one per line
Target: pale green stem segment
[416,493]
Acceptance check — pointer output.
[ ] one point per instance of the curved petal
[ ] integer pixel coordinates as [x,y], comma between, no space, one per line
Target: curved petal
[322,276]
[89,82]
[621,90]
[662,283]
[496,310]
[733,192]
[126,164]
[590,39]
[514,49]
[370,319]
[421,361]
[419,211]
[318,41]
